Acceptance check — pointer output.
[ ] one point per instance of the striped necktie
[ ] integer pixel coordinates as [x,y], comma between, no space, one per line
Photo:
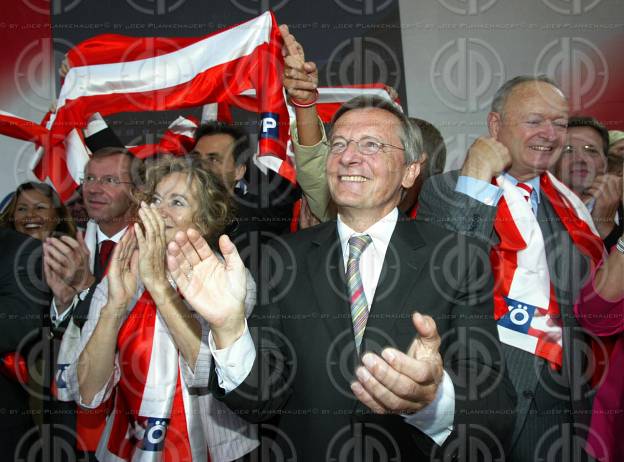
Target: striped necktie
[357,298]
[526,190]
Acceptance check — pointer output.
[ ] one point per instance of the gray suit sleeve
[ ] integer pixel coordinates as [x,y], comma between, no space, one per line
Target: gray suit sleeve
[441,205]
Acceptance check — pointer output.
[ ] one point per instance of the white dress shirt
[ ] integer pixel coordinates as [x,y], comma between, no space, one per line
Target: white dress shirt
[234,363]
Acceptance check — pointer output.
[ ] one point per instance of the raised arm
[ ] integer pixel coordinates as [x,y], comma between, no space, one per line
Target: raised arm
[601,306]
[96,363]
[301,84]
[184,328]
[215,289]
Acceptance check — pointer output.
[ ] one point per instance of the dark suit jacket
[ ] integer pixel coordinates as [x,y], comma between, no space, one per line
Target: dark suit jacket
[569,271]
[263,213]
[23,299]
[306,353]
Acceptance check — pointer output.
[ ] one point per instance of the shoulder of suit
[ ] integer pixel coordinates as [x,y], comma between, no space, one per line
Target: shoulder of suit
[440,184]
[310,235]
[435,235]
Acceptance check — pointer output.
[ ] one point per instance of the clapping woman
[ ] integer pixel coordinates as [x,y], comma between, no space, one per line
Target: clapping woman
[143,341]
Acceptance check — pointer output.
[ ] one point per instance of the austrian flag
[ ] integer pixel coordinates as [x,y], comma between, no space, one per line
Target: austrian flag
[111,73]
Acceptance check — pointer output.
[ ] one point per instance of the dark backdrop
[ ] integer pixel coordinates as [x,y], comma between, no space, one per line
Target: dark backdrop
[352,41]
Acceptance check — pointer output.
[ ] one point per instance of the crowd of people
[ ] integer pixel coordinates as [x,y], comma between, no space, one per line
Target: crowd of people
[380,310]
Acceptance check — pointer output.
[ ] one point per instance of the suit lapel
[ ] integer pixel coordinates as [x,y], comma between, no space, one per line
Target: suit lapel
[405,258]
[327,276]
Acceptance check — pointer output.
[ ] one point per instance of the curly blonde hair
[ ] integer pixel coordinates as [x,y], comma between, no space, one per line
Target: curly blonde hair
[214,212]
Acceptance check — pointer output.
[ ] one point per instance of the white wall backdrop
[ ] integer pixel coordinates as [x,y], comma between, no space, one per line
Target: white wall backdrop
[458,52]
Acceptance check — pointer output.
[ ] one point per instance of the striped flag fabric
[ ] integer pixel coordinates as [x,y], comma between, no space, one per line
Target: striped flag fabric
[112,74]
[16,127]
[330,99]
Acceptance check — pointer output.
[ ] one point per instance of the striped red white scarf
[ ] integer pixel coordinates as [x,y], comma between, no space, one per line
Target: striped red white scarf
[525,305]
[154,417]
[113,73]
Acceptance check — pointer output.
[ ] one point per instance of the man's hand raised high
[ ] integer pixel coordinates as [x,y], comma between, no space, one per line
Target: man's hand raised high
[215,288]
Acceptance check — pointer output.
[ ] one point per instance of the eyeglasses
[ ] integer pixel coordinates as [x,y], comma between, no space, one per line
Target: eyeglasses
[587,149]
[366,146]
[106,180]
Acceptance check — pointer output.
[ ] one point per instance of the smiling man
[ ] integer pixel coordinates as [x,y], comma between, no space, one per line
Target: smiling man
[543,244]
[582,167]
[74,266]
[338,352]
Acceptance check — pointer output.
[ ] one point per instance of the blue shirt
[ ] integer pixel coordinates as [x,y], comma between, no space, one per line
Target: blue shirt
[490,194]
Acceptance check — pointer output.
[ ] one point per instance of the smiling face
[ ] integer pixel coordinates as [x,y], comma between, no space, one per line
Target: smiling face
[176,200]
[365,188]
[35,214]
[532,126]
[111,206]
[582,159]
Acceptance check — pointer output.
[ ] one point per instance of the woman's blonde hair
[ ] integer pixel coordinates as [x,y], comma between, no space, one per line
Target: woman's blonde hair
[214,211]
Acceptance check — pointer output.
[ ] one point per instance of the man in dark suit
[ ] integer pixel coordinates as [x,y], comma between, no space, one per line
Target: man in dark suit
[263,201]
[504,195]
[345,378]
[23,300]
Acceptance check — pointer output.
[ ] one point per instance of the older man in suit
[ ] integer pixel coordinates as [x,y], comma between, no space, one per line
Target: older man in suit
[333,353]
[544,243]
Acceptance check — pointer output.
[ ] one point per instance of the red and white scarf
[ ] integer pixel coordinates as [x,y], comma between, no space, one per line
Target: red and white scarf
[154,417]
[113,73]
[525,305]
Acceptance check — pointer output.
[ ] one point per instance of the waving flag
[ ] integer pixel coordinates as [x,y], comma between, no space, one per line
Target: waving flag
[178,139]
[22,129]
[330,99]
[113,74]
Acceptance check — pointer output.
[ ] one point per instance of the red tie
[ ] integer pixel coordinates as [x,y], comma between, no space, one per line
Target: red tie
[526,190]
[106,247]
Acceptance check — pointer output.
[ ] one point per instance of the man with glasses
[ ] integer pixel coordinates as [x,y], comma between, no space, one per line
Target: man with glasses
[582,167]
[74,267]
[334,353]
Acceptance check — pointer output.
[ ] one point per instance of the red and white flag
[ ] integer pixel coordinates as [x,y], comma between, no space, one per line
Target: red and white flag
[177,140]
[16,127]
[112,73]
